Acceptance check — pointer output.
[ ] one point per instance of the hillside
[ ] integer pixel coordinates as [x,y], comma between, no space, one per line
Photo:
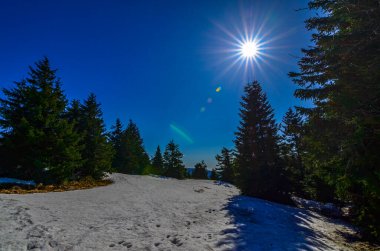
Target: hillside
[151,213]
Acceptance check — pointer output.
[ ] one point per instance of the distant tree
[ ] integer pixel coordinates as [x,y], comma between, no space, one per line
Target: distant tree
[38,142]
[173,165]
[200,171]
[135,158]
[225,170]
[188,173]
[259,172]
[214,175]
[97,152]
[158,162]
[290,148]
[116,139]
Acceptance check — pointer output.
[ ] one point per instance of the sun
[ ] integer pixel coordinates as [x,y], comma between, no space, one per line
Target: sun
[249,45]
[249,49]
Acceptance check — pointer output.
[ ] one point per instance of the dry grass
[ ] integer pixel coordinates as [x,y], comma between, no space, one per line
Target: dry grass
[86,183]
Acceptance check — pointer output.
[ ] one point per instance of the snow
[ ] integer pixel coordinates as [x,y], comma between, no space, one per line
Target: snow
[328,209]
[153,213]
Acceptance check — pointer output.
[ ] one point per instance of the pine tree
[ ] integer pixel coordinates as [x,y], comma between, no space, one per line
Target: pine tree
[259,172]
[214,175]
[173,164]
[225,170]
[73,113]
[200,171]
[340,74]
[135,158]
[39,143]
[97,152]
[290,148]
[116,137]
[158,162]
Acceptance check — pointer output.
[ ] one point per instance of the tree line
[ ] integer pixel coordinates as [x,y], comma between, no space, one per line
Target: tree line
[50,140]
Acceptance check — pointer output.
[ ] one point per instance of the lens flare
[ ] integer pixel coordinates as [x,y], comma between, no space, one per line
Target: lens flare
[181,133]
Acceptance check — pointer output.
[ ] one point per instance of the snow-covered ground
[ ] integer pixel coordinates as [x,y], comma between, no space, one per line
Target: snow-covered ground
[152,213]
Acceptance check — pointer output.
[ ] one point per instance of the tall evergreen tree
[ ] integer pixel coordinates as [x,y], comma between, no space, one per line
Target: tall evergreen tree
[173,164]
[225,170]
[158,161]
[301,179]
[73,114]
[97,152]
[200,171]
[290,148]
[38,142]
[135,158]
[258,167]
[340,74]
[116,138]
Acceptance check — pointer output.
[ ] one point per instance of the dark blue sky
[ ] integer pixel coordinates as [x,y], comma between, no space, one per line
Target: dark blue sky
[158,62]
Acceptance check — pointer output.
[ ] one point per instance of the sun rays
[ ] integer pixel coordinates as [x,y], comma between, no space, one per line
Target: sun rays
[249,46]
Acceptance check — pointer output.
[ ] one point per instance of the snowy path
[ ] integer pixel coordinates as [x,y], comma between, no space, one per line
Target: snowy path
[148,213]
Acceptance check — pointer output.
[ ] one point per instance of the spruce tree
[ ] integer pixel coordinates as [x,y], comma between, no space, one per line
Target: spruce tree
[73,114]
[225,170]
[290,148]
[158,162]
[39,143]
[200,171]
[135,158]
[173,165]
[97,151]
[116,137]
[259,172]
[214,175]
[340,74]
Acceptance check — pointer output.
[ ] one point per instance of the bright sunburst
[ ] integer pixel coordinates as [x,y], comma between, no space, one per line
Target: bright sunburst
[249,49]
[247,46]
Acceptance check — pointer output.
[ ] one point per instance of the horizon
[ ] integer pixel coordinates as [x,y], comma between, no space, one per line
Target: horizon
[160,65]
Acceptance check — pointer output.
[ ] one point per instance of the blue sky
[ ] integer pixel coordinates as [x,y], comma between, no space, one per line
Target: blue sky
[158,62]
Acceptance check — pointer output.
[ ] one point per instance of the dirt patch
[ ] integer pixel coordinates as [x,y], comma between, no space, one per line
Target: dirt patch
[69,186]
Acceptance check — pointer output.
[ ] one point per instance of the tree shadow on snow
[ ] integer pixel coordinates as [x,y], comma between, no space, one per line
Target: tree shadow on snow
[262,225]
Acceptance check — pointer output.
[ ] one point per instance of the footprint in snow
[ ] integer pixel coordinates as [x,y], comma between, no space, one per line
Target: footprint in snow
[176,242]
[125,244]
[38,231]
[199,190]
